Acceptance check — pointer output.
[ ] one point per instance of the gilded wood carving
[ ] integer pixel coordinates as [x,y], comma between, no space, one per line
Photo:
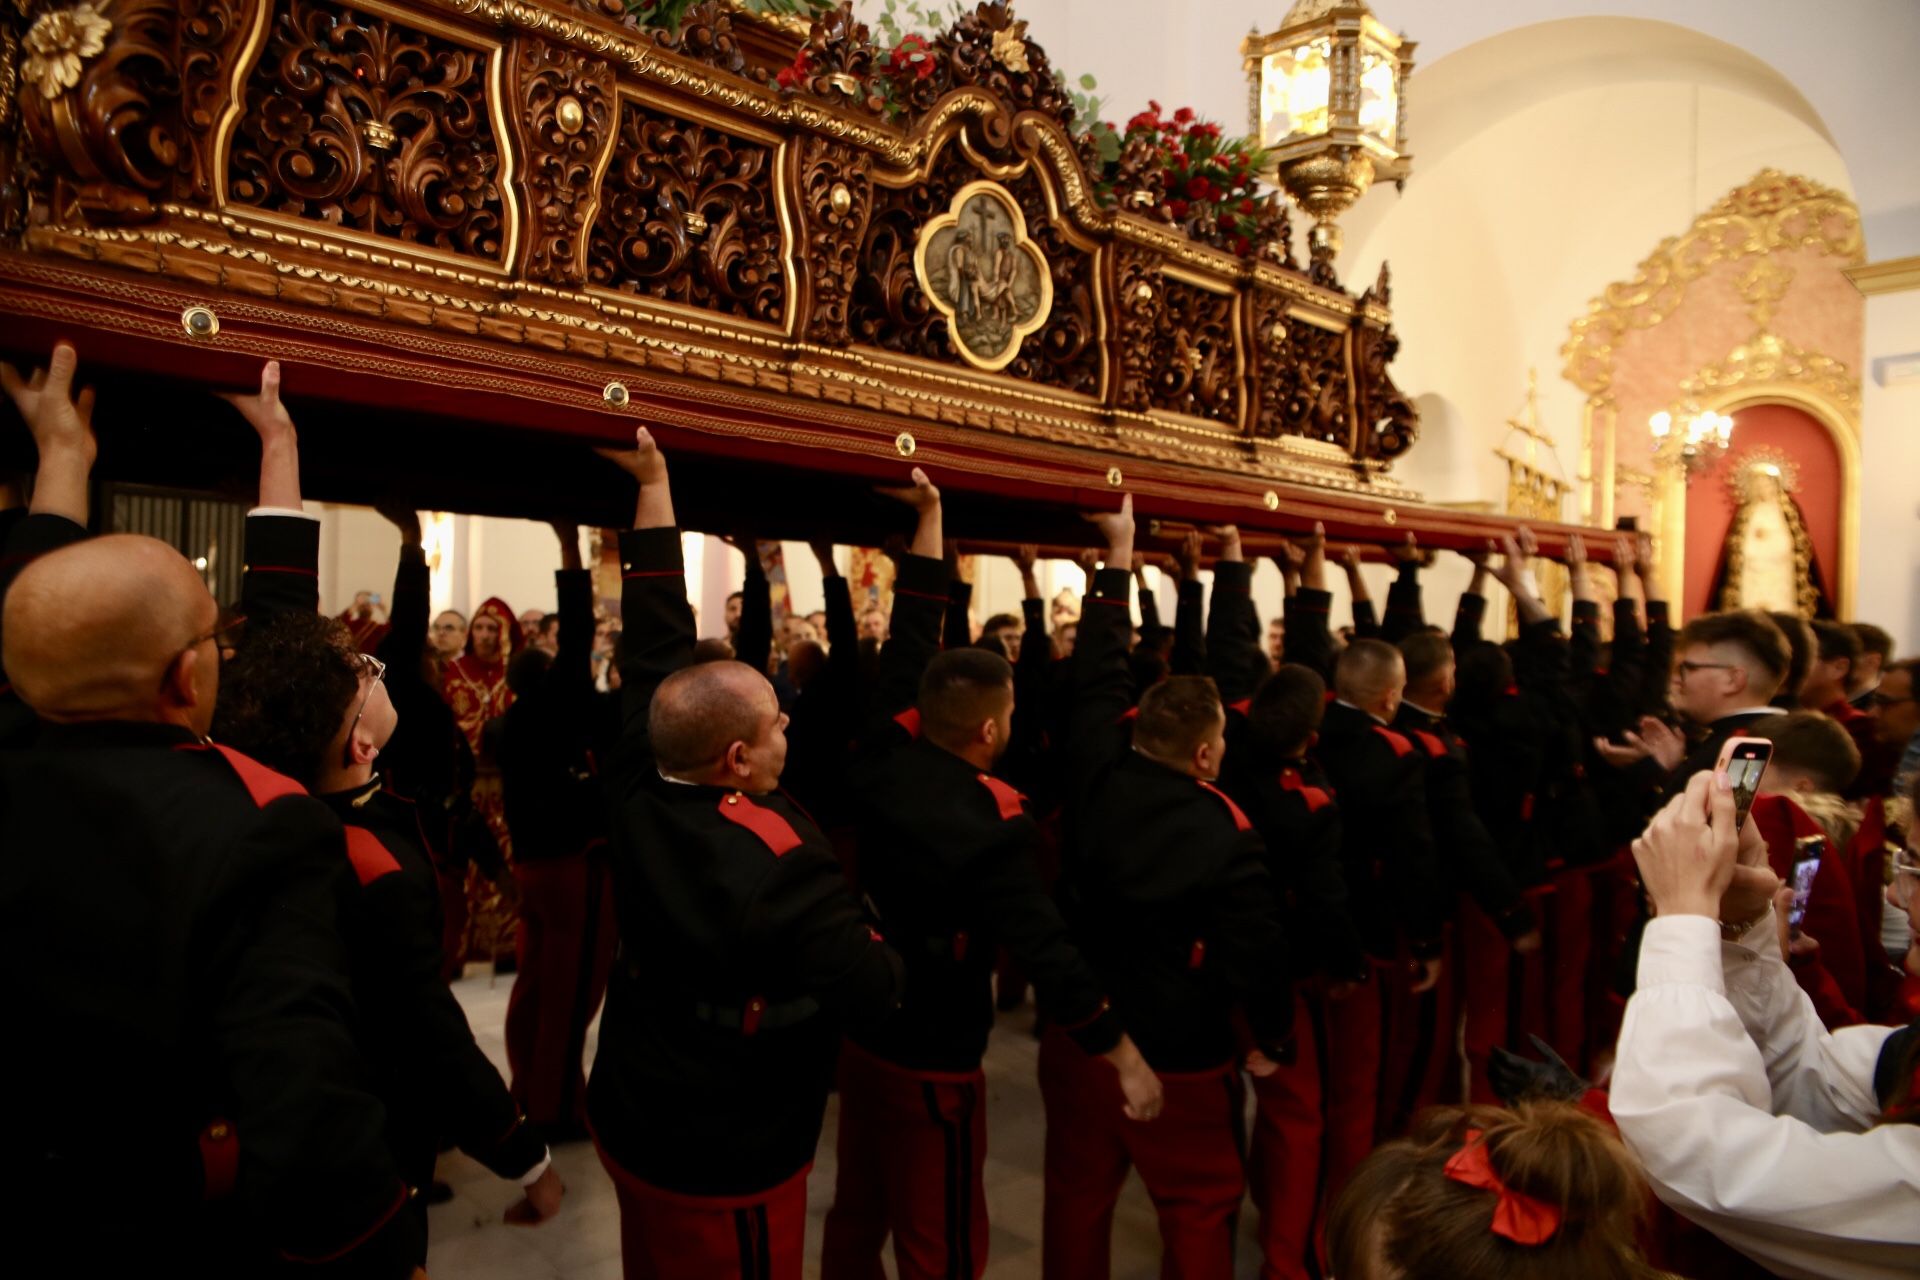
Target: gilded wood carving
[1194,353]
[564,105]
[365,123]
[836,197]
[688,215]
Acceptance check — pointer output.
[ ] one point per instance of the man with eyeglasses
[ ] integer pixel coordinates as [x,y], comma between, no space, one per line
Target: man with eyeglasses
[179,996]
[1896,717]
[304,701]
[1731,666]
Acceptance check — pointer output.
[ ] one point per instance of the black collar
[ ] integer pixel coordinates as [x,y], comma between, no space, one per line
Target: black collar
[99,735]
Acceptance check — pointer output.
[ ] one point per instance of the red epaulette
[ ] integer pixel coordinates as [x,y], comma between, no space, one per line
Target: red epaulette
[1129,715]
[1241,707]
[910,721]
[1435,747]
[262,784]
[1401,747]
[773,830]
[1316,798]
[1010,801]
[369,857]
[1240,822]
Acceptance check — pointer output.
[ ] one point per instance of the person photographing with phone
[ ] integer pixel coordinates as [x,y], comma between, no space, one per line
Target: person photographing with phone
[1793,1145]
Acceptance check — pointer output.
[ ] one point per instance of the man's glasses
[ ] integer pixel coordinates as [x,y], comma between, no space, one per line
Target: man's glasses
[376,671]
[1880,701]
[218,635]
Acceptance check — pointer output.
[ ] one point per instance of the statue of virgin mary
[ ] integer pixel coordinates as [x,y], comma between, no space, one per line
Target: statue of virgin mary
[1767,560]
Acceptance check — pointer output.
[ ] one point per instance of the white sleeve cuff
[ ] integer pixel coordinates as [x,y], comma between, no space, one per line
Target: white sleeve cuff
[293,512]
[1682,951]
[539,1170]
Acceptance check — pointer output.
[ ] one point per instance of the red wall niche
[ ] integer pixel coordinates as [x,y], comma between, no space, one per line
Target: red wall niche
[1799,435]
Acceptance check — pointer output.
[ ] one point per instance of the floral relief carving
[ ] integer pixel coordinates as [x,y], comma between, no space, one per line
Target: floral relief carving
[836,198]
[1194,360]
[688,215]
[123,99]
[372,125]
[1140,300]
[564,103]
[1303,384]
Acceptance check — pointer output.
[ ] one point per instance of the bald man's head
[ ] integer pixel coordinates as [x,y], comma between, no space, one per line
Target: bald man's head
[114,628]
[1371,675]
[719,723]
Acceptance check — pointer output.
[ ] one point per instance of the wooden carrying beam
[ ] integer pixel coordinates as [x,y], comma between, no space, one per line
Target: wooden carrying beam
[481,237]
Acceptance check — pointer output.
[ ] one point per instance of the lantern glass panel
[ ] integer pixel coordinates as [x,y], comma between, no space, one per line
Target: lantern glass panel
[1380,95]
[1296,88]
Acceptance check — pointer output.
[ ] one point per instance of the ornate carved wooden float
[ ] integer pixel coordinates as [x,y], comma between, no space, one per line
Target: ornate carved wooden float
[482,232]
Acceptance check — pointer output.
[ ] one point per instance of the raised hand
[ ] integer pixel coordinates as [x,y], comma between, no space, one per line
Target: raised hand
[823,552]
[1408,552]
[1188,556]
[1089,561]
[56,418]
[569,535]
[1313,568]
[1117,528]
[645,463]
[1229,535]
[263,409]
[1687,854]
[1025,557]
[925,501]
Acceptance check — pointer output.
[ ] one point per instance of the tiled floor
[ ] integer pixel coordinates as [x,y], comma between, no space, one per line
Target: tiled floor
[583,1242]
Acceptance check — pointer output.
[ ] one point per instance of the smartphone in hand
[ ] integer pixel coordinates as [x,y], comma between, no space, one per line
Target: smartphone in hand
[1745,762]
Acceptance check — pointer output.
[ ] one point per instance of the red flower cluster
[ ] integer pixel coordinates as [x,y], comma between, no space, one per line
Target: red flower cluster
[1207,174]
[912,53]
[793,76]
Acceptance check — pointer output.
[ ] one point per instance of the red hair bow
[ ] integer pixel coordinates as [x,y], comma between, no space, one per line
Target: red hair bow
[1518,1217]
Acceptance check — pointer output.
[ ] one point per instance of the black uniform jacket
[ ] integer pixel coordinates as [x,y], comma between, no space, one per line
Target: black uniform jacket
[437,1082]
[951,859]
[1472,862]
[741,947]
[1171,898]
[180,1016]
[1388,847]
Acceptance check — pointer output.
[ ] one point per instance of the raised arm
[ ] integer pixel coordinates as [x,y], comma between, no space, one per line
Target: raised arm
[1232,646]
[753,644]
[283,542]
[1469,617]
[1308,640]
[1036,648]
[1584,661]
[406,636]
[573,587]
[1365,625]
[1101,681]
[1405,612]
[1152,631]
[61,426]
[1657,678]
[919,603]
[656,622]
[957,630]
[1189,639]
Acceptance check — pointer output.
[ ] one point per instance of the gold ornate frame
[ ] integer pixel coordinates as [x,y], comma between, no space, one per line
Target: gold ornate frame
[1022,241]
[1773,212]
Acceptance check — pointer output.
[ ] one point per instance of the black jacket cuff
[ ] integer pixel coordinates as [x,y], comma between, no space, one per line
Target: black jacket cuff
[649,552]
[921,576]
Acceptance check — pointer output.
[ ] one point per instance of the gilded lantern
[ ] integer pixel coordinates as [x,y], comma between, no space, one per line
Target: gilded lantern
[1328,103]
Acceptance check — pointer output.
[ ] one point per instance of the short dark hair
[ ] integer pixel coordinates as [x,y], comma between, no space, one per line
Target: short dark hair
[960,690]
[999,622]
[1146,666]
[1176,714]
[1755,634]
[1835,640]
[1360,672]
[1873,639]
[712,649]
[286,692]
[1287,710]
[1799,637]
[736,595]
[1425,652]
[697,713]
[1813,743]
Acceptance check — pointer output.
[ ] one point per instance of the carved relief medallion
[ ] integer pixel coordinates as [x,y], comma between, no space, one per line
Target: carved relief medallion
[982,271]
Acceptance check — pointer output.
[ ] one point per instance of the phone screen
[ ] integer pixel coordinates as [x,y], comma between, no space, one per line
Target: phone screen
[1743,773]
[1805,868]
